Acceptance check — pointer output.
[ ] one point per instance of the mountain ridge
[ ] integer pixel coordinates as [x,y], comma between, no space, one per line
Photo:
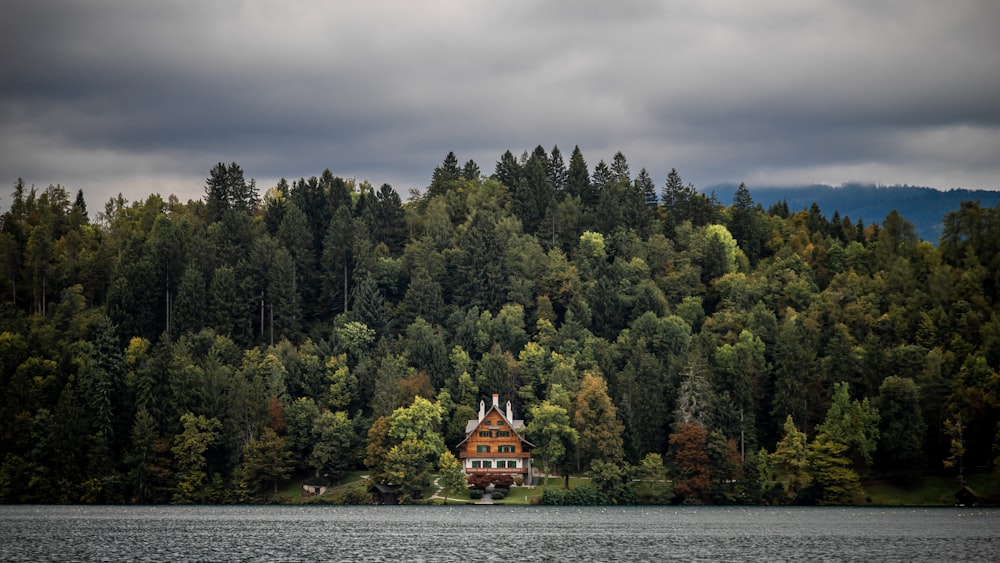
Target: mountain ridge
[924,207]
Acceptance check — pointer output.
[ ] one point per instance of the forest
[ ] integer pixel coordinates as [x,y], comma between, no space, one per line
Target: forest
[205,351]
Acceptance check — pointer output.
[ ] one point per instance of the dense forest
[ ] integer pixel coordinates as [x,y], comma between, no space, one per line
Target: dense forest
[161,351]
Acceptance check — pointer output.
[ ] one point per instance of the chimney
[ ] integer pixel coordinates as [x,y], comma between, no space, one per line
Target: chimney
[510,412]
[482,410]
[496,400]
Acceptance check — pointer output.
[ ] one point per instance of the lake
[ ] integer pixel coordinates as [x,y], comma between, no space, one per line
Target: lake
[496,533]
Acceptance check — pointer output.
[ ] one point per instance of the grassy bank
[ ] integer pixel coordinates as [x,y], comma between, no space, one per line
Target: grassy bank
[922,491]
[933,490]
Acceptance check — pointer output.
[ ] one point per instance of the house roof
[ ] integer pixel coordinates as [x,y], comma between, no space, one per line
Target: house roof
[517,425]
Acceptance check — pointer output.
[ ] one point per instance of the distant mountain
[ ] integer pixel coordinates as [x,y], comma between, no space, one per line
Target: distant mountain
[924,207]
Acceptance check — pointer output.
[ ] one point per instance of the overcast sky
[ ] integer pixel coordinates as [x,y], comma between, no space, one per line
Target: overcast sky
[141,97]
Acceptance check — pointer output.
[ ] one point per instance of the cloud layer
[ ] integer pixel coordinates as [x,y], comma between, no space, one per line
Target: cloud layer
[119,96]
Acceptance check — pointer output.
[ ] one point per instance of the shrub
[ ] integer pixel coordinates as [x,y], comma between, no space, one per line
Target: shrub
[483,480]
[553,497]
[499,494]
[583,495]
[476,494]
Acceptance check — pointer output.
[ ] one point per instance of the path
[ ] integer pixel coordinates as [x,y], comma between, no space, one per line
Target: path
[487,497]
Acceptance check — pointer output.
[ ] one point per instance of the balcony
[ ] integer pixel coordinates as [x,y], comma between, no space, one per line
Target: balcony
[497,470]
[495,455]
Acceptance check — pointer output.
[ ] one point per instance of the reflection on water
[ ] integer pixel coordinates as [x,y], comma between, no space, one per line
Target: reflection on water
[463,533]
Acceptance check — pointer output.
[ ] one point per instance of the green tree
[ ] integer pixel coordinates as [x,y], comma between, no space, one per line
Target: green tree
[333,444]
[833,480]
[189,453]
[300,419]
[651,469]
[266,460]
[451,474]
[790,464]
[901,428]
[853,424]
[550,431]
[150,465]
[407,466]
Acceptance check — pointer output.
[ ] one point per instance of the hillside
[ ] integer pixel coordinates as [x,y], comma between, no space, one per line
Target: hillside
[203,351]
[923,207]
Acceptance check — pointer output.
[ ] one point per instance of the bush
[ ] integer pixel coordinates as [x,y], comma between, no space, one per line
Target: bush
[499,494]
[483,480]
[553,497]
[584,495]
[476,494]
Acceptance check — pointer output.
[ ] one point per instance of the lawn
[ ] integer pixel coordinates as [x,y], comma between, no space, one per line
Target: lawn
[932,490]
[291,491]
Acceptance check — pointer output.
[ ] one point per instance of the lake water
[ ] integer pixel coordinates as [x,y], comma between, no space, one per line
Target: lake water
[495,533]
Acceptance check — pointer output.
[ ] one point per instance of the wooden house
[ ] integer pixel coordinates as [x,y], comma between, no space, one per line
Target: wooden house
[494,443]
[966,497]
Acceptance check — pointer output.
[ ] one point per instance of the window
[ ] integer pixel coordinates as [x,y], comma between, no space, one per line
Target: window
[503,433]
[482,449]
[477,464]
[511,463]
[506,449]
[488,423]
[488,464]
[499,423]
[485,434]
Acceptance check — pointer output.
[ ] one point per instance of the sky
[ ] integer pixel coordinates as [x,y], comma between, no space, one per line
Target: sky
[120,96]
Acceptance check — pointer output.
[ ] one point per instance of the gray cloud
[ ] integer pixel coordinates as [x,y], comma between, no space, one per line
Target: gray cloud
[113,96]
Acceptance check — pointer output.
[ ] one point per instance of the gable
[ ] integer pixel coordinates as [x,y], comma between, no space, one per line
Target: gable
[497,425]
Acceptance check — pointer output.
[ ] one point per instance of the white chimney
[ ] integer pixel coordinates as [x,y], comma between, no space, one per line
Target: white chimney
[496,400]
[510,412]
[482,410]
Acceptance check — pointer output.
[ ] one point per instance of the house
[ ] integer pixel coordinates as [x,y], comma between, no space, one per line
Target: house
[494,444]
[966,497]
[314,486]
[384,494]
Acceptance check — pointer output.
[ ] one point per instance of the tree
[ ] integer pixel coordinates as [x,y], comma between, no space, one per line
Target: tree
[333,444]
[747,225]
[421,421]
[833,480]
[612,479]
[451,474]
[189,452]
[550,431]
[595,419]
[790,463]
[149,460]
[556,172]
[692,480]
[226,191]
[854,424]
[578,179]
[651,469]
[390,220]
[415,444]
[407,466]
[901,428]
[300,419]
[377,446]
[266,459]
[956,451]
